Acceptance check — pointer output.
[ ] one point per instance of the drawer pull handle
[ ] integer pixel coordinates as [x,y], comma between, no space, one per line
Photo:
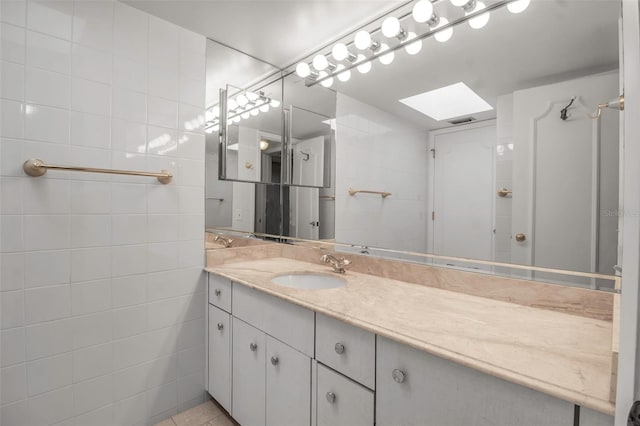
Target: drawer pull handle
[398,376]
[274,360]
[217,292]
[339,347]
[331,397]
[253,347]
[220,326]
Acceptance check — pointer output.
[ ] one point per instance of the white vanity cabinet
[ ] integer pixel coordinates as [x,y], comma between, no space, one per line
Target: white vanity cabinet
[416,388]
[341,401]
[220,356]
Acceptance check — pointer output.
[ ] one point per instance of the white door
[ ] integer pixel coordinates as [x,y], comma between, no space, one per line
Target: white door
[220,356]
[463,192]
[305,213]
[288,385]
[565,176]
[249,349]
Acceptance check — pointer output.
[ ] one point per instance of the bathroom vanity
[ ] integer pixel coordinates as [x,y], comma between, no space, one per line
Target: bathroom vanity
[385,351]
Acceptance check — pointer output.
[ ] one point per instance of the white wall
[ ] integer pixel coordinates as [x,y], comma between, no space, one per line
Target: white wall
[504,177]
[102,302]
[378,151]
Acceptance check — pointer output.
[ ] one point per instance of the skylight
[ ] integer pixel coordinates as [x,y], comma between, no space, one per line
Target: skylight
[453,101]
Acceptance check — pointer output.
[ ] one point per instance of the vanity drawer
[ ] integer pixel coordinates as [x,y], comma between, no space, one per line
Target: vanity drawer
[342,402]
[220,292]
[347,349]
[289,323]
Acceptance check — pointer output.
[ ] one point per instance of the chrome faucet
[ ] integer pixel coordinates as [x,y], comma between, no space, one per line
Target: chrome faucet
[225,241]
[339,264]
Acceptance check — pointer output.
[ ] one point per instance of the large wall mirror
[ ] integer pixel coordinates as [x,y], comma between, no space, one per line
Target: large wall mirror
[526,178]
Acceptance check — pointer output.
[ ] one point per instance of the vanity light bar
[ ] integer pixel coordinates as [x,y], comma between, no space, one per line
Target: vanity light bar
[476,13]
[260,103]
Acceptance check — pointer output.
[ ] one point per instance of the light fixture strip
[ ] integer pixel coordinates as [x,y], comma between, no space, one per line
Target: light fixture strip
[407,42]
[266,100]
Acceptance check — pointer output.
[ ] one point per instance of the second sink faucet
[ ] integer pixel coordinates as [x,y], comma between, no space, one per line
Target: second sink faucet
[339,264]
[225,241]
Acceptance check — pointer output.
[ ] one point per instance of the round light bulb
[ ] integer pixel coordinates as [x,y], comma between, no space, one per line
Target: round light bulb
[245,115]
[415,47]
[274,103]
[480,20]
[254,112]
[364,67]
[444,35]
[303,70]
[242,100]
[387,58]
[232,104]
[518,6]
[459,3]
[340,52]
[264,108]
[236,119]
[320,62]
[422,11]
[344,75]
[215,111]
[328,82]
[362,40]
[390,27]
[252,96]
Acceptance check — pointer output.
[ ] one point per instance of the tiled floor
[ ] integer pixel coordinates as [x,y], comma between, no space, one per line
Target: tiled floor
[207,414]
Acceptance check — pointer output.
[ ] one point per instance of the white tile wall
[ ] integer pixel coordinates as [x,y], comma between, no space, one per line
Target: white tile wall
[101,291]
[380,152]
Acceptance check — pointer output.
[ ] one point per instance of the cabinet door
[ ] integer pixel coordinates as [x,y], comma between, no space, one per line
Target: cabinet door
[288,385]
[341,401]
[416,388]
[249,348]
[220,356]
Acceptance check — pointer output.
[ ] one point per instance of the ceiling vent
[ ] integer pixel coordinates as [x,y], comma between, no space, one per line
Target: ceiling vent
[463,120]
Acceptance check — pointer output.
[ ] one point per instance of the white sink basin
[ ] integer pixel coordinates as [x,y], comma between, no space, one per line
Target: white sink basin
[309,281]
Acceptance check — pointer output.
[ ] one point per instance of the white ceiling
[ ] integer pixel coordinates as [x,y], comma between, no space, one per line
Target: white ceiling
[551,41]
[278,32]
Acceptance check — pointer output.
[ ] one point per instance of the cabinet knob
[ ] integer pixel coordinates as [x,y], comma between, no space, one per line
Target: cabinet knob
[398,375]
[274,360]
[520,237]
[220,326]
[253,347]
[217,292]
[339,347]
[331,397]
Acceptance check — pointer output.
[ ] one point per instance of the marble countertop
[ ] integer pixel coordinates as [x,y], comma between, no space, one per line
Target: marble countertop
[567,356]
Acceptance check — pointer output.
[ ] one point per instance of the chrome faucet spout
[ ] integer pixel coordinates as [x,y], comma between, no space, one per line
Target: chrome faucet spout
[225,241]
[339,264]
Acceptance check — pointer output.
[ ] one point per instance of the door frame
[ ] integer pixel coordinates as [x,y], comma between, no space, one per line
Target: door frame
[431,174]
[628,385]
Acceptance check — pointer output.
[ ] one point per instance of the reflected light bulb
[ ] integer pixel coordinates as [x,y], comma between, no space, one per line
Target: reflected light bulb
[387,58]
[390,27]
[252,96]
[236,119]
[443,35]
[340,52]
[422,11]
[254,112]
[362,40]
[303,70]
[364,67]
[264,108]
[274,103]
[480,20]
[232,104]
[345,75]
[242,100]
[245,115]
[459,3]
[328,82]
[415,47]
[215,111]
[320,62]
[518,6]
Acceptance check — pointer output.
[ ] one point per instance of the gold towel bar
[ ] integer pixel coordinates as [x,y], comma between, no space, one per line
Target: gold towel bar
[353,192]
[35,167]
